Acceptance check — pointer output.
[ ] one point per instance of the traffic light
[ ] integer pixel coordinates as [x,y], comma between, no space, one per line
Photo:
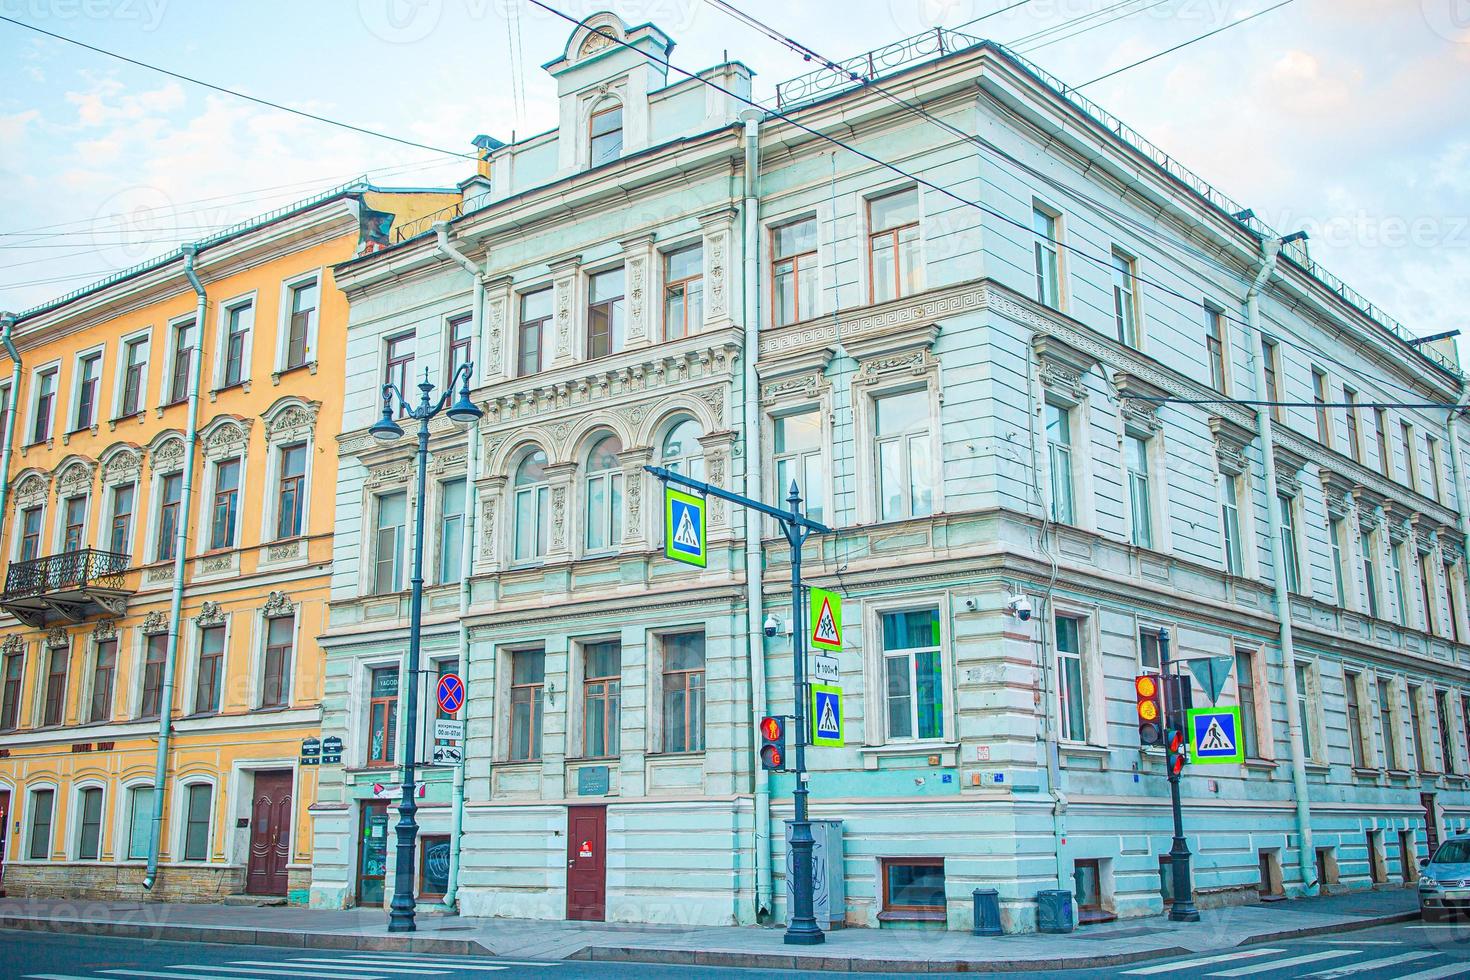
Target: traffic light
[1175,745]
[773,744]
[1150,709]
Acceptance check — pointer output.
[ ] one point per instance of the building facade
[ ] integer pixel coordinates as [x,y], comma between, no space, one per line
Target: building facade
[1011,351]
[167,547]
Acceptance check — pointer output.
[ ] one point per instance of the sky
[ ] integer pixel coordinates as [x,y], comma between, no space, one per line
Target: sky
[1346,118]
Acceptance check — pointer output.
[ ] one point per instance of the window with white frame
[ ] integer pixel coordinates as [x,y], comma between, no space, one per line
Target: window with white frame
[170,495]
[1370,573]
[1446,731]
[1319,406]
[1140,490]
[1071,679]
[1411,455]
[532,496]
[794,271]
[398,353]
[198,806]
[43,806]
[1125,297]
[1429,615]
[893,245]
[234,352]
[1250,718]
[1150,657]
[1396,579]
[290,490]
[225,507]
[133,378]
[140,820]
[533,348]
[682,452]
[302,299]
[31,519]
[1217,348]
[12,674]
[155,647]
[1289,556]
[602,492]
[683,291]
[1307,698]
[452,495]
[1452,599]
[209,670]
[7,410]
[901,426]
[796,442]
[388,542]
[73,523]
[1418,745]
[1059,459]
[1358,750]
[1270,354]
[1354,424]
[605,133]
[120,518]
[607,321]
[88,387]
[460,331]
[43,404]
[527,695]
[1230,523]
[183,339]
[89,823]
[913,674]
[275,672]
[104,672]
[1436,475]
[1337,537]
[1046,225]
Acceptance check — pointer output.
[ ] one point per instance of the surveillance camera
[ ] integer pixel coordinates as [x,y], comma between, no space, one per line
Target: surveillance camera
[772,624]
[1019,606]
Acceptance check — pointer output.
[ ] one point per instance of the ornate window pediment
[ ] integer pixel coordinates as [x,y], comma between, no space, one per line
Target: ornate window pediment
[226,437]
[1062,366]
[892,355]
[32,489]
[155,622]
[277,604]
[210,614]
[1230,442]
[167,454]
[291,420]
[75,477]
[1289,465]
[1138,403]
[122,464]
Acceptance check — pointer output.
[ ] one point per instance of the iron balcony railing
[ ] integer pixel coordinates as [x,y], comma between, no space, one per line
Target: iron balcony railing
[416,227]
[70,571]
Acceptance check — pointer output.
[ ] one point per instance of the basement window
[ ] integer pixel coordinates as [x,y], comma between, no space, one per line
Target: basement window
[913,890]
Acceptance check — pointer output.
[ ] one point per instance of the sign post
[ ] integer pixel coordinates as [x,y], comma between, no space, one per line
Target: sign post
[1183,909]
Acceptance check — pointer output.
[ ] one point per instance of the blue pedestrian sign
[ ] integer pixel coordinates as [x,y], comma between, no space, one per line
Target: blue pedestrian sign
[450,693]
[826,715]
[1214,735]
[684,527]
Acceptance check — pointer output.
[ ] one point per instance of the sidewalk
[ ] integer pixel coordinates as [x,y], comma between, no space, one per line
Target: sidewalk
[847,949]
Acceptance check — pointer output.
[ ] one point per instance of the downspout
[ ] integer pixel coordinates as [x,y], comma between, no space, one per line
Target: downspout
[1270,249]
[181,549]
[765,905]
[467,556]
[7,327]
[1457,467]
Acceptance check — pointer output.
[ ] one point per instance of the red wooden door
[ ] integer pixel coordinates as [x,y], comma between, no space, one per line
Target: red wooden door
[587,863]
[4,823]
[270,834]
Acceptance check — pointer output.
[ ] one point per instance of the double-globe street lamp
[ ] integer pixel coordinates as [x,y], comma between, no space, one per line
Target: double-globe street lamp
[387,430]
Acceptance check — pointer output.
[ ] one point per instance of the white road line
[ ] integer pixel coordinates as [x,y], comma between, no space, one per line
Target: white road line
[1326,954]
[1378,964]
[359,966]
[438,960]
[1450,970]
[370,963]
[154,975]
[1232,956]
[55,976]
[362,973]
[1350,942]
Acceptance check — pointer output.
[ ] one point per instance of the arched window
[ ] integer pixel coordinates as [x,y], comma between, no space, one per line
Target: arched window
[604,495]
[605,133]
[682,452]
[531,495]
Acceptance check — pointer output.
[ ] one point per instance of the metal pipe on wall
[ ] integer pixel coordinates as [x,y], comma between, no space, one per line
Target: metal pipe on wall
[7,328]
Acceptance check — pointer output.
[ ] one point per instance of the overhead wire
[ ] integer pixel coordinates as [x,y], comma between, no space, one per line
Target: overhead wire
[1193,40]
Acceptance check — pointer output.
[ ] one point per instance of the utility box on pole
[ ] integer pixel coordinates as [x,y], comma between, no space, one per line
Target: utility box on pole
[829,889]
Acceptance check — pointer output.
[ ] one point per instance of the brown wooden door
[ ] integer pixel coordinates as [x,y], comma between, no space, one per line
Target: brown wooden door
[587,863]
[1431,822]
[270,834]
[4,824]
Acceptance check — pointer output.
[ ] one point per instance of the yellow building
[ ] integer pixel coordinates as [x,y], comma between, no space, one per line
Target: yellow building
[171,461]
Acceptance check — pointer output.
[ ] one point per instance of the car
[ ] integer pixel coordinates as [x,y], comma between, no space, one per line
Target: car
[1444,881]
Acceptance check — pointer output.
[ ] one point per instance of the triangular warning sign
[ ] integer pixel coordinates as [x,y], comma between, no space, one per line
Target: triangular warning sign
[828,720]
[826,629]
[685,534]
[1215,739]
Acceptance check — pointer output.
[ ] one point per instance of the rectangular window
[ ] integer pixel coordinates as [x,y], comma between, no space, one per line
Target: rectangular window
[6,410]
[238,322]
[42,802]
[1465,720]
[1426,594]
[226,504]
[178,388]
[1304,695]
[1289,555]
[893,245]
[398,364]
[1336,531]
[197,805]
[140,819]
[1273,381]
[1230,521]
[304,302]
[1048,267]
[1396,576]
[606,320]
[1380,435]
[1388,734]
[1451,602]
[1149,655]
[914,887]
[89,836]
[1370,575]
[905,469]
[1071,684]
[89,379]
[1245,686]
[1140,504]
[683,291]
[120,535]
[1419,752]
[15,664]
[794,271]
[451,530]
[1442,720]
[388,543]
[461,343]
[30,533]
[1354,719]
[171,491]
[604,496]
[1125,297]
[1319,406]
[54,712]
[1216,347]
[605,135]
[135,375]
[1411,457]
[798,451]
[275,688]
[533,351]
[527,686]
[914,674]
[104,669]
[1436,479]
[683,686]
[601,698]
[74,524]
[291,491]
[210,677]
[156,647]
[382,715]
[45,405]
[1354,427]
[1059,458]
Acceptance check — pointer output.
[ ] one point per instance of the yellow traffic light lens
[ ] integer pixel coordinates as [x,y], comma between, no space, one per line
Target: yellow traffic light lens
[1148,711]
[1146,686]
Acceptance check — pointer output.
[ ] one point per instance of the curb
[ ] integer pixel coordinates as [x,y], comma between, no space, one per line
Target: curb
[1352,926]
[248,937]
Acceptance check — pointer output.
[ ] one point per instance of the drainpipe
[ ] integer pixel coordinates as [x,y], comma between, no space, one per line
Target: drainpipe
[1457,468]
[181,549]
[7,327]
[467,555]
[765,904]
[1270,249]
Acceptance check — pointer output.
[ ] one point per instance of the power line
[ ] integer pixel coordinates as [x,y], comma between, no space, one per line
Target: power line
[1121,15]
[227,91]
[1144,61]
[993,13]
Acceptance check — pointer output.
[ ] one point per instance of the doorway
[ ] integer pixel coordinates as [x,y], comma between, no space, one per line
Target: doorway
[4,824]
[587,863]
[270,834]
[1431,822]
[372,853]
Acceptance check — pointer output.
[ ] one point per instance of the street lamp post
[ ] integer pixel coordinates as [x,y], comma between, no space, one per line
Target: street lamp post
[387,430]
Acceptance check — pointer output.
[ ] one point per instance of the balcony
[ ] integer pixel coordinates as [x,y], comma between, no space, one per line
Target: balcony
[70,586]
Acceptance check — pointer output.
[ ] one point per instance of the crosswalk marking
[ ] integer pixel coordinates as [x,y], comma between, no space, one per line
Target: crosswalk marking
[1232,956]
[1326,954]
[1435,973]
[1378,964]
[361,962]
[359,966]
[286,970]
[172,975]
[437,960]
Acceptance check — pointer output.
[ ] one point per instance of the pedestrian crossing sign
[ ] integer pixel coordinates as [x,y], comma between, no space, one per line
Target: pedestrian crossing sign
[826,612]
[826,715]
[684,527]
[1214,735]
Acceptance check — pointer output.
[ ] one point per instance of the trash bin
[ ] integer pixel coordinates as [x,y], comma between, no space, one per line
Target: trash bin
[1054,911]
[987,912]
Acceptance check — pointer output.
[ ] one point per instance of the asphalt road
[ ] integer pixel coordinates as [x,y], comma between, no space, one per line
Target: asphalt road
[1409,951]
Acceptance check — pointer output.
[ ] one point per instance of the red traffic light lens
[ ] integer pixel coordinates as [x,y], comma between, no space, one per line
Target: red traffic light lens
[1176,742]
[1146,686]
[771,757]
[770,729]
[1178,764]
